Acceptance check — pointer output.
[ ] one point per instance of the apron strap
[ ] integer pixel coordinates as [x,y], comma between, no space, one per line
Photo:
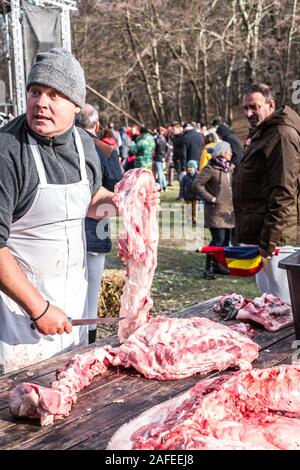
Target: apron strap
[38,160]
[80,150]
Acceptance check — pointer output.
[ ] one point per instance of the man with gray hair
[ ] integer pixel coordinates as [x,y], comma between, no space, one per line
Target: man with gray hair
[50,179]
[266,184]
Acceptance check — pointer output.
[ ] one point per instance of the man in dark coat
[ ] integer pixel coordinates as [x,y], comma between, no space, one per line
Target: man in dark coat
[227,134]
[266,183]
[192,145]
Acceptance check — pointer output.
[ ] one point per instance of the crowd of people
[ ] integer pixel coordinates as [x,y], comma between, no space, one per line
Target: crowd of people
[210,163]
[202,158]
[58,169]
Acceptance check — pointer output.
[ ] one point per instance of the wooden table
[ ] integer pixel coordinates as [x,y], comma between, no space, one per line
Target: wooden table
[114,398]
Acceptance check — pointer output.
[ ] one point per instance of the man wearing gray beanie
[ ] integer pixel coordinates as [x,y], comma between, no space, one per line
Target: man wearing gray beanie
[50,179]
[59,69]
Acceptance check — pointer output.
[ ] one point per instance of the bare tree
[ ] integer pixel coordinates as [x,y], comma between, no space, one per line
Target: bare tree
[165,60]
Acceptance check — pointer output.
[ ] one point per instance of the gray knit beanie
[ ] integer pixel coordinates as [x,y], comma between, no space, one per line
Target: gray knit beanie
[59,69]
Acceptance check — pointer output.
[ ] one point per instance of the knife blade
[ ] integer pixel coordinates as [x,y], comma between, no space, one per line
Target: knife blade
[96,321]
[91,321]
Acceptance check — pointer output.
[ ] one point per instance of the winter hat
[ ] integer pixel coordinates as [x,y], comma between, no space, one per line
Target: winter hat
[223,130]
[192,164]
[59,69]
[219,149]
[188,127]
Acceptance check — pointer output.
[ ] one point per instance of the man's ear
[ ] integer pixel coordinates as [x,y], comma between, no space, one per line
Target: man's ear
[97,127]
[272,105]
[77,109]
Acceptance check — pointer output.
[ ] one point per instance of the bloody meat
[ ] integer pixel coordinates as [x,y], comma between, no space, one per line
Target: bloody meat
[257,409]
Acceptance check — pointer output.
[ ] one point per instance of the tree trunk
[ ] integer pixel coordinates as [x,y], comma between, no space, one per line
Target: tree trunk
[180,87]
[142,68]
[159,91]
[288,52]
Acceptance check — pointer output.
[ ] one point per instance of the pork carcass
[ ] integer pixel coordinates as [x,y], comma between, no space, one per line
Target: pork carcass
[269,311]
[173,348]
[257,409]
[137,247]
[163,349]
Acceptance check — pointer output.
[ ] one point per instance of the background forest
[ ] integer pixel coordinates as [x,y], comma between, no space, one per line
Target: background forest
[166,60]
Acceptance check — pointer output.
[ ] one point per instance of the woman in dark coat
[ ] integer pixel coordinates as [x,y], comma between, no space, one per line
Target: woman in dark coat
[213,184]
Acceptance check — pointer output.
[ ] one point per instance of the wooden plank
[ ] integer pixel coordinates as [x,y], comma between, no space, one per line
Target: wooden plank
[280,351]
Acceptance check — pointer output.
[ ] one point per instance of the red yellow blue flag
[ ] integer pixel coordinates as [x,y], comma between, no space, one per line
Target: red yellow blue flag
[239,260]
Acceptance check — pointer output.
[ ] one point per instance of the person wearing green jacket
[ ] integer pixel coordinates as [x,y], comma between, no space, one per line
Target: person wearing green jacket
[143,149]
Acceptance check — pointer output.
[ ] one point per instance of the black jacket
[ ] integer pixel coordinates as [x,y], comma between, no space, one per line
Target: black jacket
[227,135]
[192,146]
[160,148]
[177,152]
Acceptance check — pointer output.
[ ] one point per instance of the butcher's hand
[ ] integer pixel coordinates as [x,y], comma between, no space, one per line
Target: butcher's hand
[54,321]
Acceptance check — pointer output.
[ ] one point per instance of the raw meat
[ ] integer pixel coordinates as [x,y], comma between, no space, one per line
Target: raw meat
[174,348]
[137,247]
[229,305]
[163,349]
[49,404]
[267,310]
[243,329]
[257,409]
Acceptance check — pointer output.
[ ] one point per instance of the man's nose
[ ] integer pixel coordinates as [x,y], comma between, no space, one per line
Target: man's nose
[42,100]
[248,113]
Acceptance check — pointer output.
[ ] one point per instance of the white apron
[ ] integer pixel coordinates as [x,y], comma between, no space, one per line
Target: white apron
[48,243]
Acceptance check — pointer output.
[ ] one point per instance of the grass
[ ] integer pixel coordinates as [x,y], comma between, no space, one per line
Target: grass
[177,282]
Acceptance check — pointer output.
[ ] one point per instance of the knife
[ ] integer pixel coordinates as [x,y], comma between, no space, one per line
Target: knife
[95,321]
[91,321]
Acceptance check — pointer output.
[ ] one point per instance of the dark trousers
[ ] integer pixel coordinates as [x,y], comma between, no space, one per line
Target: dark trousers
[220,237]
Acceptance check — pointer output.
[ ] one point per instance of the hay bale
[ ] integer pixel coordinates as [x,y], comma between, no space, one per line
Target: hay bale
[112,284]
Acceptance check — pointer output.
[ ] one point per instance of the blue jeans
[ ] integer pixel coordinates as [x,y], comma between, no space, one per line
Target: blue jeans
[160,175]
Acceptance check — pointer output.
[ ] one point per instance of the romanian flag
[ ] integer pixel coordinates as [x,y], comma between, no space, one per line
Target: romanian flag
[239,260]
